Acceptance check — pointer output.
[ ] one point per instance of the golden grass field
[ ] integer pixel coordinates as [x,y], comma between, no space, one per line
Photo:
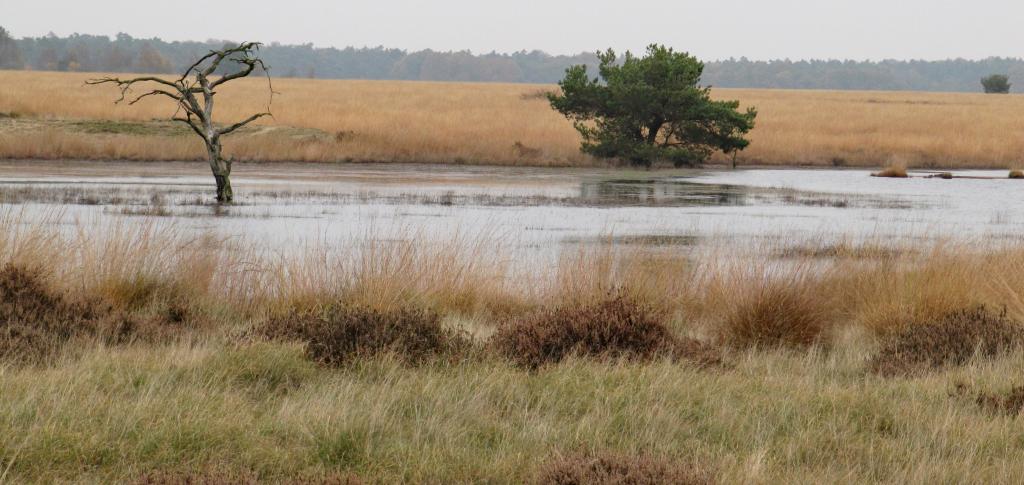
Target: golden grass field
[329,120]
[205,401]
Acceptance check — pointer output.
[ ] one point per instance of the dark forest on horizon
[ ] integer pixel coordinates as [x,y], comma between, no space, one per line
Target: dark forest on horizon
[124,53]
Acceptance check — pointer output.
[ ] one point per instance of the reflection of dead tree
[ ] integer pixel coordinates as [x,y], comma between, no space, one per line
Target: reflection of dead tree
[199,117]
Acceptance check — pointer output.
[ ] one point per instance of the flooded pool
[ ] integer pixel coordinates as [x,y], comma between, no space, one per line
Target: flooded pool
[288,205]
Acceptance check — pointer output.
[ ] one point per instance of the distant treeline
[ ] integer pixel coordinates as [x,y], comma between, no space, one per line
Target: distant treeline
[127,54]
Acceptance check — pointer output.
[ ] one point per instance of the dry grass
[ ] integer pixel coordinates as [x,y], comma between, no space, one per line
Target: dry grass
[503,124]
[779,311]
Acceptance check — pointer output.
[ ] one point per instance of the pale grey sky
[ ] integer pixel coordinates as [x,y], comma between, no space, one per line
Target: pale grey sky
[710,29]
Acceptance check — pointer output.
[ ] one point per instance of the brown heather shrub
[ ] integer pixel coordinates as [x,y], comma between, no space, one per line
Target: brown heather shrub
[1016,174]
[35,321]
[620,469]
[615,327]
[950,340]
[1010,403]
[337,334]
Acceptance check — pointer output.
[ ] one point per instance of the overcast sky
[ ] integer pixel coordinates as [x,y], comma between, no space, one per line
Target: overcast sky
[711,29]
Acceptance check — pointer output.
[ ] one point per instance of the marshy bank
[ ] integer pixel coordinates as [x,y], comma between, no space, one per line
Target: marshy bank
[392,360]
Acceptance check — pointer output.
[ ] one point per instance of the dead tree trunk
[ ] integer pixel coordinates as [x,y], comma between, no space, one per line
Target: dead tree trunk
[199,115]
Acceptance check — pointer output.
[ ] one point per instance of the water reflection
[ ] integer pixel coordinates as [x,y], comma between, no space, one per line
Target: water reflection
[661,193]
[540,212]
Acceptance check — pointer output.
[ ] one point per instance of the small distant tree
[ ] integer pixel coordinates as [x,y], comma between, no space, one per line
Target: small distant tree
[645,109]
[996,84]
[117,59]
[48,59]
[10,54]
[198,80]
[152,61]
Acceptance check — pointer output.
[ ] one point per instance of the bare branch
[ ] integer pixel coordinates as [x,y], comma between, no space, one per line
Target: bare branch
[158,92]
[190,125]
[229,129]
[123,82]
[125,85]
[195,66]
[219,56]
[250,65]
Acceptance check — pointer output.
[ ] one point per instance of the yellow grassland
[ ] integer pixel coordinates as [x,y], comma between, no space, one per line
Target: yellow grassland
[507,124]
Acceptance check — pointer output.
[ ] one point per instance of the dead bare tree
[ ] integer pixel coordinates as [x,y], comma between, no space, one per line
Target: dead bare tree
[198,80]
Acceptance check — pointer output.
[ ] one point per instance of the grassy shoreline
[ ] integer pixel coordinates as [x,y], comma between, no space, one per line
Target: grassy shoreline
[189,387]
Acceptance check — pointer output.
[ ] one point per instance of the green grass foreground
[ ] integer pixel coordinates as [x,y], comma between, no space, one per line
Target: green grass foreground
[114,414]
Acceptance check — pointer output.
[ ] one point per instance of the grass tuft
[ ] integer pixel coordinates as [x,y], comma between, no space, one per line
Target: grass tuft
[776,312]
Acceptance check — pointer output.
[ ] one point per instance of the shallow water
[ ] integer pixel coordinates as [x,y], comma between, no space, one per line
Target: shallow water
[534,210]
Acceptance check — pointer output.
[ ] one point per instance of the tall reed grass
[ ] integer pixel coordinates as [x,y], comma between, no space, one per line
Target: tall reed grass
[757,297]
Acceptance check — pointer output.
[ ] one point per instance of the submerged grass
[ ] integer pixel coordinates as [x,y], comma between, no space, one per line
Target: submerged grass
[897,170]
